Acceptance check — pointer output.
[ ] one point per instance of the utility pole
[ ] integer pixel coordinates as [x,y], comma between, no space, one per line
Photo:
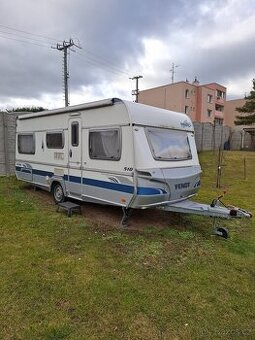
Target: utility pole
[172,70]
[136,91]
[64,47]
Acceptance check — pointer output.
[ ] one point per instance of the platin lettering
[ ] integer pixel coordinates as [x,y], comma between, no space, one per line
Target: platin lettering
[180,186]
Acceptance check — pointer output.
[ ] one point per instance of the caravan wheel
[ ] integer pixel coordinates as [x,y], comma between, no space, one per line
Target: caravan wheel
[58,193]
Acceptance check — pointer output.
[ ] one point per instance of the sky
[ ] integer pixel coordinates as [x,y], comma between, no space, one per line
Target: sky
[212,40]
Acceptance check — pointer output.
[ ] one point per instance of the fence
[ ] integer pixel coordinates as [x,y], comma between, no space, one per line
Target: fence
[7,143]
[207,136]
[210,137]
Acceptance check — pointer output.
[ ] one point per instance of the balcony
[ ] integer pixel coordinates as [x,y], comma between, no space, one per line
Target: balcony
[218,114]
[219,100]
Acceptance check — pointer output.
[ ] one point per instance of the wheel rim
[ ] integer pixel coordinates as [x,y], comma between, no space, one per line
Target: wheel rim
[58,193]
[223,232]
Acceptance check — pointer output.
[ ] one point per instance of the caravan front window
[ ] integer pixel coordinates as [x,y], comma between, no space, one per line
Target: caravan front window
[168,144]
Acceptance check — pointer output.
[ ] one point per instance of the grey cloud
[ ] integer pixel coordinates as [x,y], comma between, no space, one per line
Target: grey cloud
[222,64]
[112,30]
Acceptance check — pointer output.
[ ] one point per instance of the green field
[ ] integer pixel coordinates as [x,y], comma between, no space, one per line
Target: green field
[68,278]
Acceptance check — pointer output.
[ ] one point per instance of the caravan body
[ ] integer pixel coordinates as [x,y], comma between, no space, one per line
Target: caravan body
[111,151]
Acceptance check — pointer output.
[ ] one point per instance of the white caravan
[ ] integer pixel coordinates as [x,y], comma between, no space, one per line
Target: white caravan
[112,152]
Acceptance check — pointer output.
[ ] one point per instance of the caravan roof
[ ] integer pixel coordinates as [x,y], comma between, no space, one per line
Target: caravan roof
[138,114]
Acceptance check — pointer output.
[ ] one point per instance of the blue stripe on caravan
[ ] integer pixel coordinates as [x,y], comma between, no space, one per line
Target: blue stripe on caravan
[122,187]
[26,170]
[109,185]
[100,184]
[34,171]
[74,179]
[150,191]
[42,173]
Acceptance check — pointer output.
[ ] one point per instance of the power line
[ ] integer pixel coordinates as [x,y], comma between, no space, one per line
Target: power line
[93,58]
[106,66]
[24,41]
[94,63]
[23,37]
[105,61]
[29,33]
[44,41]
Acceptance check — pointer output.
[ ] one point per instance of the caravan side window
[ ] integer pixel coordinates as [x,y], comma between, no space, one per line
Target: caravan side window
[55,140]
[26,143]
[105,144]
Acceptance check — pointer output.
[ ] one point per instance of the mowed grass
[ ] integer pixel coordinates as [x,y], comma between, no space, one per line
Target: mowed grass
[65,278]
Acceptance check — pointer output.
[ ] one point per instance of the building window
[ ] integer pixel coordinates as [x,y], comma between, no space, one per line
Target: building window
[220,94]
[105,144]
[75,133]
[209,113]
[219,108]
[186,93]
[26,143]
[209,98]
[55,140]
[186,109]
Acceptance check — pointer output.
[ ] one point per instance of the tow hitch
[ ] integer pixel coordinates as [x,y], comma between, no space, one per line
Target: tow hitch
[217,210]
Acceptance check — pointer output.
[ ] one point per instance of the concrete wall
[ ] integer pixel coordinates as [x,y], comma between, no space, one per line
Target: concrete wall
[211,137]
[7,143]
[240,139]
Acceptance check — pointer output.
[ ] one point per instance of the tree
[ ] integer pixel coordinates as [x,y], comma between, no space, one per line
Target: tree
[248,108]
[27,109]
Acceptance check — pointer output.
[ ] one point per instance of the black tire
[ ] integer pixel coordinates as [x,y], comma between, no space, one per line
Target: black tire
[222,232]
[58,193]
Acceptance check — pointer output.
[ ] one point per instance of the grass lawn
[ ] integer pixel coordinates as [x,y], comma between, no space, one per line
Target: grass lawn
[67,278]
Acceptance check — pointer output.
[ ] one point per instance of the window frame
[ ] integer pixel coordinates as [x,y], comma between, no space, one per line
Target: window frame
[33,140]
[118,129]
[209,113]
[147,128]
[55,132]
[209,98]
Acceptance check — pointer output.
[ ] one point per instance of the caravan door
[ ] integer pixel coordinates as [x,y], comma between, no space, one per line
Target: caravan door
[74,183]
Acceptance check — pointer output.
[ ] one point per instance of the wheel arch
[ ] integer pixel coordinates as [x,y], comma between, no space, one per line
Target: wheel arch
[57,180]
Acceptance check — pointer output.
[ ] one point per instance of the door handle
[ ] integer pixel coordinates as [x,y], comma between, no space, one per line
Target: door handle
[70,153]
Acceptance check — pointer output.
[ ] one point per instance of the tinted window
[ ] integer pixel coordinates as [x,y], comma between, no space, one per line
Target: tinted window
[105,144]
[55,140]
[26,143]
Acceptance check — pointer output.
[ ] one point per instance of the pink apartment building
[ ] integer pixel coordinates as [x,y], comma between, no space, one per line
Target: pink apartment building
[230,111]
[230,116]
[203,103]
